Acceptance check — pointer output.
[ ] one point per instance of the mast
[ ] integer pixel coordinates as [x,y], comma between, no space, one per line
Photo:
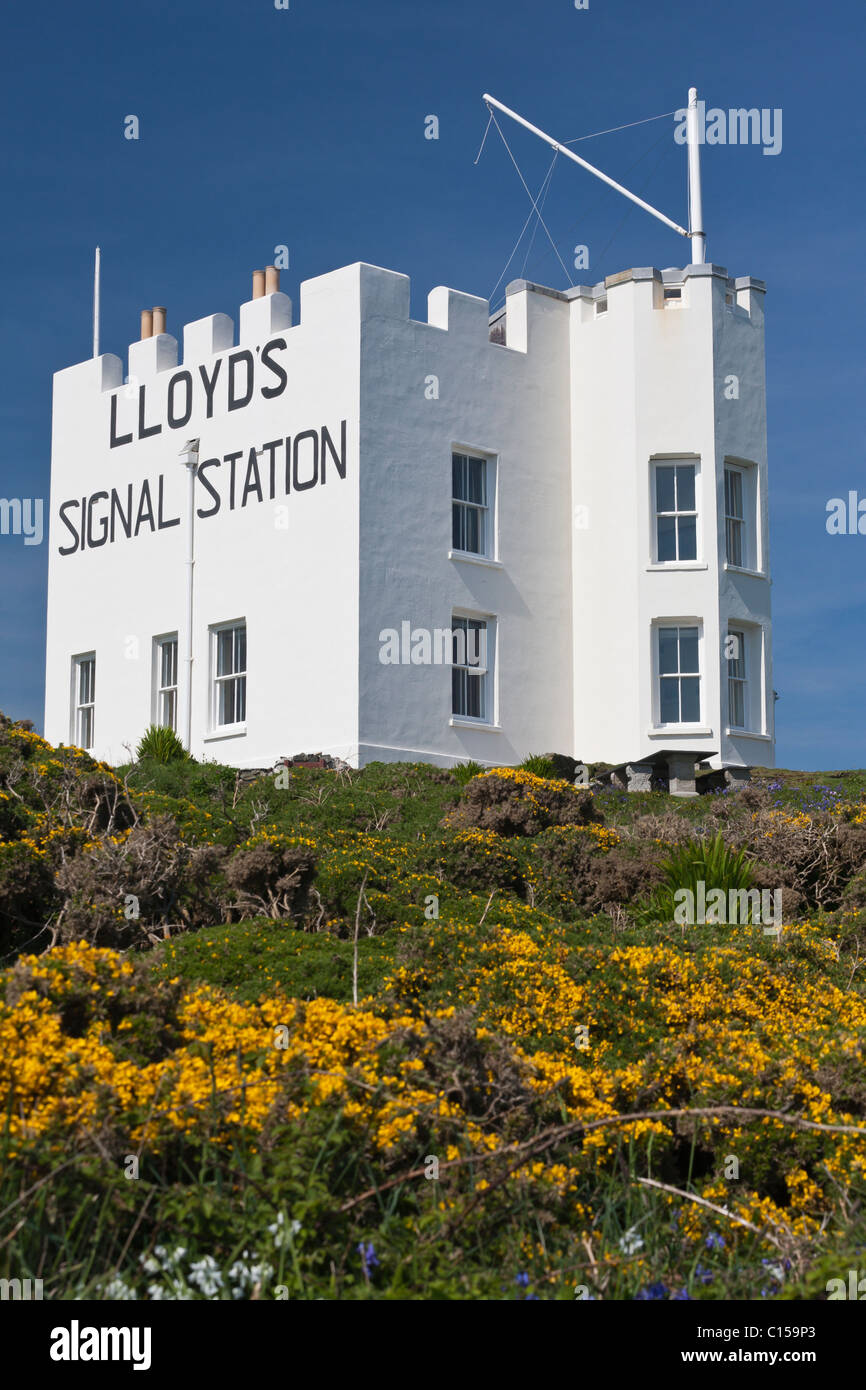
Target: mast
[696,215]
[695,230]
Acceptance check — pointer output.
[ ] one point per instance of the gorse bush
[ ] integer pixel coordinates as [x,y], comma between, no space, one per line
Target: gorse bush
[132,890]
[92,990]
[161,745]
[474,859]
[271,875]
[580,870]
[350,861]
[512,801]
[815,855]
[27,896]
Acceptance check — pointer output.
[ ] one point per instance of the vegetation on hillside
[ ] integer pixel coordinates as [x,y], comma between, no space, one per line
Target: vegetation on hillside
[418,1033]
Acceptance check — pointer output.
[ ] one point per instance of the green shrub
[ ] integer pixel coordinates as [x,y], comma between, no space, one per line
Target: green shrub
[27,894]
[14,817]
[580,870]
[464,772]
[352,859]
[474,859]
[539,764]
[556,766]
[711,862]
[250,959]
[854,895]
[161,745]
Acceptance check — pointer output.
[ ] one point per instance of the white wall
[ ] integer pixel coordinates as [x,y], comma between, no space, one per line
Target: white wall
[507,401]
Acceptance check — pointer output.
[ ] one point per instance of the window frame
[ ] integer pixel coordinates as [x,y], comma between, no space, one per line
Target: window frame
[78,705]
[757,694]
[752,558]
[741,681]
[675,461]
[486,509]
[484,674]
[731,519]
[679,624]
[218,681]
[160,690]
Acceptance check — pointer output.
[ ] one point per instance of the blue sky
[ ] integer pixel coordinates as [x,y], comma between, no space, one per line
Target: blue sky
[305,127]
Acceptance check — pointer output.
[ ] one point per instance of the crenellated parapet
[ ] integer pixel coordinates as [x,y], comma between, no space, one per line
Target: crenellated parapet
[354,294]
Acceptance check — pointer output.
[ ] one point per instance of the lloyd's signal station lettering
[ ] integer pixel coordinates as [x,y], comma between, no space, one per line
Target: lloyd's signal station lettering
[279,467]
[235,388]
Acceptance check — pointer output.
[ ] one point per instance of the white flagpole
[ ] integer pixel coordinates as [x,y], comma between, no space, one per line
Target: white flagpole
[96,270]
[696,214]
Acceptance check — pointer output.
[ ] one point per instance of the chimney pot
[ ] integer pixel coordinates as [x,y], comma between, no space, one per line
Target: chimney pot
[272,279]
[158,319]
[258,284]
[147,323]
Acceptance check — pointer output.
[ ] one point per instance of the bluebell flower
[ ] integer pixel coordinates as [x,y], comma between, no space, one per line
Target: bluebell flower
[714,1241]
[681,1294]
[653,1291]
[522,1280]
[369,1258]
[705,1275]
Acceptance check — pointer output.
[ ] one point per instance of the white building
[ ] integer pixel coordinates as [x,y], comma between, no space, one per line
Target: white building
[580,484]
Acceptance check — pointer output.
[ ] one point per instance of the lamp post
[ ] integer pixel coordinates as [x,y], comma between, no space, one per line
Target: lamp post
[189,458]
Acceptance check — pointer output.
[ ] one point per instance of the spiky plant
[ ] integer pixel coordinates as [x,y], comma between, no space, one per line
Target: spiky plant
[464,772]
[538,765]
[711,862]
[161,745]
